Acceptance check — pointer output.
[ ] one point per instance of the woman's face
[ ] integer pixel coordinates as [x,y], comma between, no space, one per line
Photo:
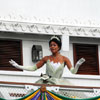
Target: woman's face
[54,47]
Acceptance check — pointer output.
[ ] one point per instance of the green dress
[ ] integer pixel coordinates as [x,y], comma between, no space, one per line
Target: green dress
[54,75]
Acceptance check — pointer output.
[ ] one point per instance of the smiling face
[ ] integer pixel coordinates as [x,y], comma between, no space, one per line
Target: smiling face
[54,47]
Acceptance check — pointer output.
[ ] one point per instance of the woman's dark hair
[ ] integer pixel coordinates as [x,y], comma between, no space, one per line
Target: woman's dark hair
[57,40]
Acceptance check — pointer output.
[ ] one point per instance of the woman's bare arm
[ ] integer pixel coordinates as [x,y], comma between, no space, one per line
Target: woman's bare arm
[42,62]
[29,68]
[67,62]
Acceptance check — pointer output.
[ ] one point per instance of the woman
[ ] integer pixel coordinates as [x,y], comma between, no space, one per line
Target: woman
[55,64]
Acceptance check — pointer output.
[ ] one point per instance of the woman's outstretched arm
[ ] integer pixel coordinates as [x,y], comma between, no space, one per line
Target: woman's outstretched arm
[72,69]
[77,65]
[29,68]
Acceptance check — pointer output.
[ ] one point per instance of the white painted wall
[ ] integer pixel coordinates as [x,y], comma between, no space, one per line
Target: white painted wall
[78,9]
[27,55]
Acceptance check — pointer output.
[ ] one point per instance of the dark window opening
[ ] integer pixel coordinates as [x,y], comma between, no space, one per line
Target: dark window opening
[90,53]
[10,49]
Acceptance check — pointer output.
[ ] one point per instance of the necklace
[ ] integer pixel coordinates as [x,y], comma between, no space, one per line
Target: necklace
[56,56]
[53,56]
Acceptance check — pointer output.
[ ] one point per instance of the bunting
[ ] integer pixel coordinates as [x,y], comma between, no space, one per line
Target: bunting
[48,95]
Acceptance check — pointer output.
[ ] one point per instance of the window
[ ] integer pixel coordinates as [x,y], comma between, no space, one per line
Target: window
[10,49]
[90,53]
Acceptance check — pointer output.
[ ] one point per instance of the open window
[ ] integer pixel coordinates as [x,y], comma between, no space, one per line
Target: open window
[37,53]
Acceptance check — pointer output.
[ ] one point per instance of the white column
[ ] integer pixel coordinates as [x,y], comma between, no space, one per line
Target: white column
[65,42]
[99,57]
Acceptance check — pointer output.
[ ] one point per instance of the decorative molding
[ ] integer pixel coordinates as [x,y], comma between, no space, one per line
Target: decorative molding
[38,26]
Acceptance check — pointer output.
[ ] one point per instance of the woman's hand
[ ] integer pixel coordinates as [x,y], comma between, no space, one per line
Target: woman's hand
[13,63]
[77,65]
[28,68]
[80,62]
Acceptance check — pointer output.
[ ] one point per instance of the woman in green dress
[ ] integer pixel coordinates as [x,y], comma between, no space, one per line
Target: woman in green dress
[55,64]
